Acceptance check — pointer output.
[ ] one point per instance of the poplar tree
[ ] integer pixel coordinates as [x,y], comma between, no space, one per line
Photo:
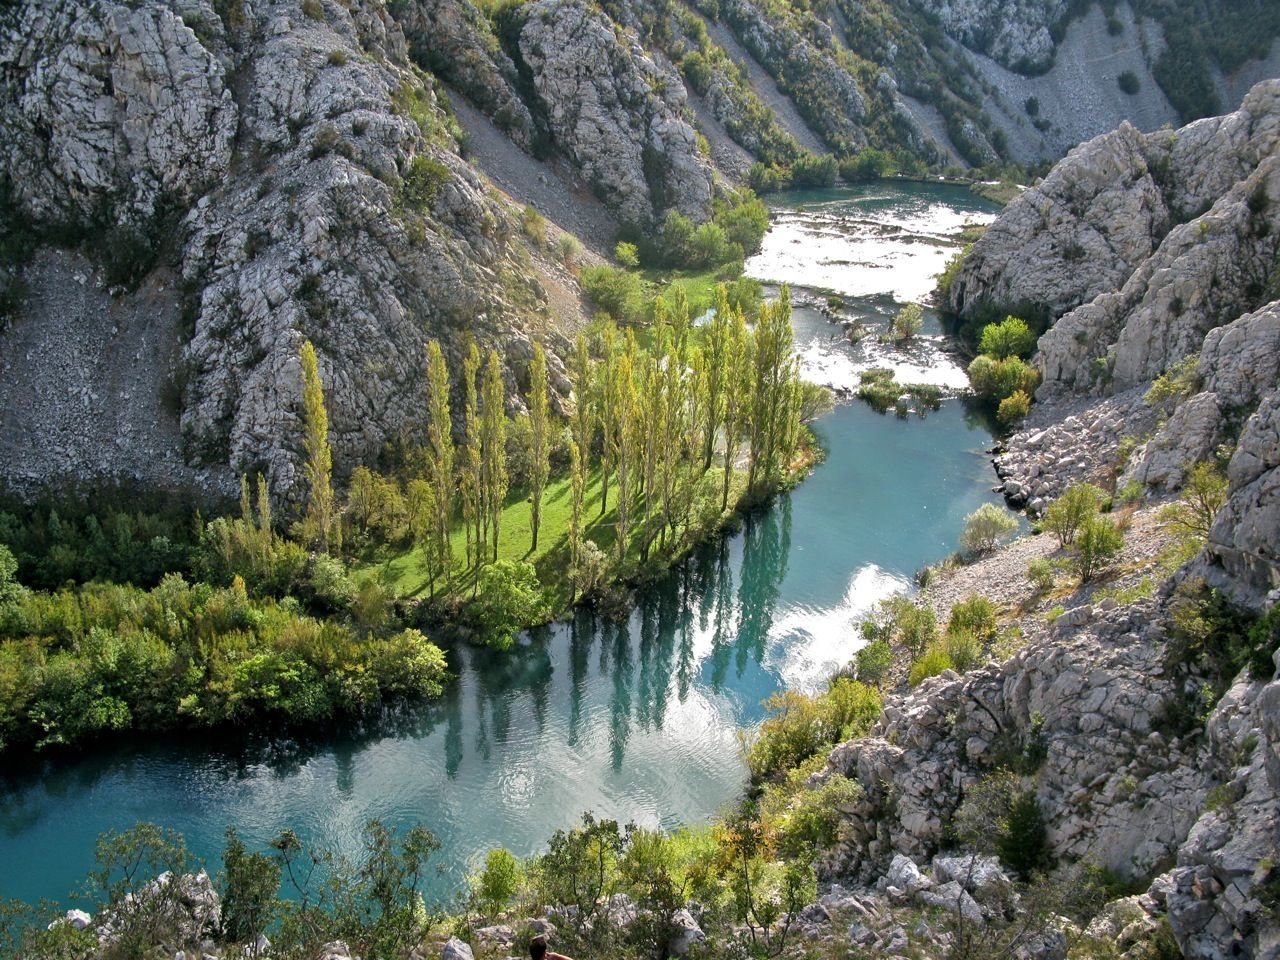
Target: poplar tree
[469,484]
[578,485]
[771,389]
[583,422]
[649,416]
[623,392]
[539,437]
[676,410]
[737,368]
[317,466]
[606,404]
[493,430]
[715,360]
[439,460]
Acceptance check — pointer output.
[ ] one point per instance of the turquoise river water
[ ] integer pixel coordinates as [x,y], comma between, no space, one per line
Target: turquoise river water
[636,720]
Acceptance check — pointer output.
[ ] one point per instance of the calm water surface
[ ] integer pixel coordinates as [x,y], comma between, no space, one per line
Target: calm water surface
[634,720]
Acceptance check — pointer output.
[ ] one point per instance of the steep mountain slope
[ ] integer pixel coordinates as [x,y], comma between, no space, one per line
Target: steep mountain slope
[294,169]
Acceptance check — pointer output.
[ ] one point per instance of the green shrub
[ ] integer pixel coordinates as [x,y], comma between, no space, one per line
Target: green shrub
[534,226]
[1202,496]
[931,663]
[1014,408]
[1040,573]
[1180,379]
[313,9]
[626,254]
[423,181]
[1023,842]
[897,619]
[499,881]
[868,164]
[963,649]
[1069,512]
[1011,337]
[814,170]
[568,249]
[614,290]
[1097,542]
[974,615]
[907,322]
[951,271]
[1128,82]
[873,662]
[509,598]
[993,380]
[984,528]
[799,726]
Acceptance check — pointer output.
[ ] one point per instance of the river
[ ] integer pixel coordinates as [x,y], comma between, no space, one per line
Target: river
[635,721]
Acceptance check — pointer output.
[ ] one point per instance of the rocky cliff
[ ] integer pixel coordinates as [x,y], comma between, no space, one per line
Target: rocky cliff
[1148,255]
[292,171]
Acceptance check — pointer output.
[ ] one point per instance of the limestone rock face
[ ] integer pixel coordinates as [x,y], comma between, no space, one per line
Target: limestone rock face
[453,40]
[1243,541]
[1110,787]
[1137,245]
[328,202]
[614,112]
[1013,32]
[110,110]
[1077,234]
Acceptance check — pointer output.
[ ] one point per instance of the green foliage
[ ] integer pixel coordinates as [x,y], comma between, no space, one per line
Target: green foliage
[993,380]
[1213,636]
[929,664]
[984,528]
[873,663]
[1009,338]
[423,180]
[127,877]
[1180,380]
[868,164]
[1014,408]
[626,254]
[907,322]
[1040,573]
[313,9]
[615,291]
[250,884]
[510,598]
[951,271]
[498,882]
[1129,83]
[882,392]
[814,170]
[1097,542]
[998,816]
[963,649]
[811,823]
[974,615]
[534,226]
[1202,496]
[1066,515]
[897,620]
[103,658]
[800,725]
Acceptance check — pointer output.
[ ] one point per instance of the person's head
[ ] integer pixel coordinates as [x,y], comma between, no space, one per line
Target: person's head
[538,947]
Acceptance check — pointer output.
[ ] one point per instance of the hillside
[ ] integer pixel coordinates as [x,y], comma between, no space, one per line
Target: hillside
[188,190]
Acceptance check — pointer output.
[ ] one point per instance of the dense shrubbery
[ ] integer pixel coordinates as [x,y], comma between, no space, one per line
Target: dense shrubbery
[78,663]
[801,725]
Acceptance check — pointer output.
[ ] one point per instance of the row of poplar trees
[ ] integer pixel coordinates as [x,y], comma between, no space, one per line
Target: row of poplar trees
[652,420]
